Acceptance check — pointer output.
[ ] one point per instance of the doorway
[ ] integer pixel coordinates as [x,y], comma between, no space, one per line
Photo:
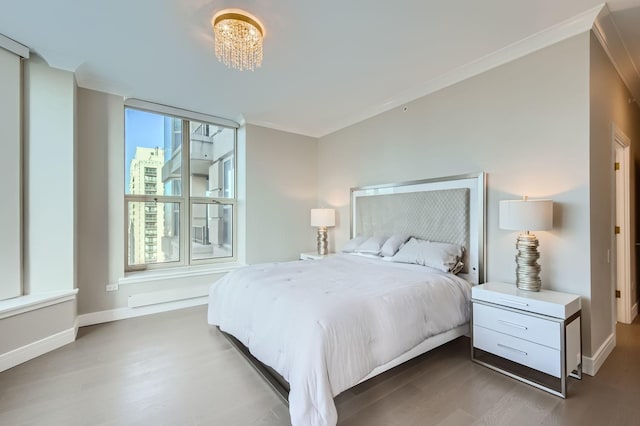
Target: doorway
[623,300]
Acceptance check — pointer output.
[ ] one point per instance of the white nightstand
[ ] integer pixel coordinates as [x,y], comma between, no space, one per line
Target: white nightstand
[534,337]
[314,256]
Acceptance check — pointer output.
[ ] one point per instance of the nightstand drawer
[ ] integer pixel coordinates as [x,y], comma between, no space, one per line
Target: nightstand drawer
[533,329]
[546,302]
[517,350]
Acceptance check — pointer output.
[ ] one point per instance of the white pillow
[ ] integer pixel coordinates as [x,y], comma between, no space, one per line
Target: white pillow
[353,244]
[393,244]
[442,256]
[372,245]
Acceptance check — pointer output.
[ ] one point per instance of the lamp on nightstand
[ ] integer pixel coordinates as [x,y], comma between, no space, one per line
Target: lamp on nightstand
[322,218]
[527,215]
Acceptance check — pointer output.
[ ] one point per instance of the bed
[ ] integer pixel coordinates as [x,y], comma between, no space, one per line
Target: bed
[317,328]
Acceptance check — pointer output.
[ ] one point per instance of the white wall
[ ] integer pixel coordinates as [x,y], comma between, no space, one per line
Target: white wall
[11,182]
[49,218]
[525,123]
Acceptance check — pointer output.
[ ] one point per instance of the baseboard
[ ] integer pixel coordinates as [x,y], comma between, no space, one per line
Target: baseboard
[37,348]
[591,365]
[124,313]
[634,311]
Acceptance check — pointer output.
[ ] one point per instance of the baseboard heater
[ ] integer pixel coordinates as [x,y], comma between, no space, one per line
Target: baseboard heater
[166,296]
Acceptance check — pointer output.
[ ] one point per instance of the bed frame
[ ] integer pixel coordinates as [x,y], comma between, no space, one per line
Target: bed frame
[449,209]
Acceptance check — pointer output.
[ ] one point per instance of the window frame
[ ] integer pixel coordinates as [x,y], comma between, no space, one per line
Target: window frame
[185,200]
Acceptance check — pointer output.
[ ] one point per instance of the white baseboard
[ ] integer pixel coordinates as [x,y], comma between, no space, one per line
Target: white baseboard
[37,348]
[634,311]
[124,313]
[591,365]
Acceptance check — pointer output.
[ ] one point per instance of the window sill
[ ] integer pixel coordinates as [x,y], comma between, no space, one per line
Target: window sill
[181,272]
[31,302]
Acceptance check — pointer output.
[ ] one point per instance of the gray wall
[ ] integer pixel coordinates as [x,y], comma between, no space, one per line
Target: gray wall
[525,123]
[281,190]
[608,104]
[93,232]
[36,325]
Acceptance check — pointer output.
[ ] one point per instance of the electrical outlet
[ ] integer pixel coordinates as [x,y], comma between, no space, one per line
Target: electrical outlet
[112,287]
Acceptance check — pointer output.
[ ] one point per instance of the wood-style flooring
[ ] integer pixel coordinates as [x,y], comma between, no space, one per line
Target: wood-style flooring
[173,369]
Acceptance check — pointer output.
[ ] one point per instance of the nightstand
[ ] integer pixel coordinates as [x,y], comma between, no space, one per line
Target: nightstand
[314,256]
[534,337]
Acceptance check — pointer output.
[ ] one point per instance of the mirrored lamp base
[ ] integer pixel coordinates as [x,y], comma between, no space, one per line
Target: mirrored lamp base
[322,240]
[527,268]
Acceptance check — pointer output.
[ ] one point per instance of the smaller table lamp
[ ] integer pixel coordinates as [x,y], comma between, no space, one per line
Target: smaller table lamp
[527,215]
[321,218]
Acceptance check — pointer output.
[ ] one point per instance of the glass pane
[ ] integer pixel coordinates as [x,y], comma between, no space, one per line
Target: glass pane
[211,231]
[212,160]
[153,230]
[153,147]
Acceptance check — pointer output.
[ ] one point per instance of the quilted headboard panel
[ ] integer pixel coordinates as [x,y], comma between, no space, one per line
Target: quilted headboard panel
[447,209]
[430,215]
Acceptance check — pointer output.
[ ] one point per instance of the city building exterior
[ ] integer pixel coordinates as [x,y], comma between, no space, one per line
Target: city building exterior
[146,218]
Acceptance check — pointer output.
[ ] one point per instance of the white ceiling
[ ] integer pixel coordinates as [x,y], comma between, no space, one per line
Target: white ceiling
[327,64]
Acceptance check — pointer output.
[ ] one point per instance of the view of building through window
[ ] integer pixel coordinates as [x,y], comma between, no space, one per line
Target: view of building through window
[164,191]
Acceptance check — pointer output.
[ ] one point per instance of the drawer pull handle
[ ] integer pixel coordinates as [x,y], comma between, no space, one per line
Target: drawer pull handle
[512,349]
[514,302]
[521,327]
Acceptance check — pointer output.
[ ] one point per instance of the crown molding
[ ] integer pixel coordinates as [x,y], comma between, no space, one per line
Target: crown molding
[14,47]
[547,37]
[608,35]
[286,129]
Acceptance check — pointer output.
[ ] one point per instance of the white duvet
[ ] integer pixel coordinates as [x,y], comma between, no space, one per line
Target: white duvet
[325,325]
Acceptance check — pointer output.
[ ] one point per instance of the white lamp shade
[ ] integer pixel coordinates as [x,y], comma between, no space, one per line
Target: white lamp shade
[526,215]
[323,217]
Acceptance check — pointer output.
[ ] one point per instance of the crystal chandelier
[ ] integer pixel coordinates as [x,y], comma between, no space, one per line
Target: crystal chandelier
[238,39]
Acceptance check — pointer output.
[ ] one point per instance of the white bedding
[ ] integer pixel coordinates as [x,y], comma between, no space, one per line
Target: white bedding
[324,325]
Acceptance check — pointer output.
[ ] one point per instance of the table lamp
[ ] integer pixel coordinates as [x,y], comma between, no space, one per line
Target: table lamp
[322,218]
[527,215]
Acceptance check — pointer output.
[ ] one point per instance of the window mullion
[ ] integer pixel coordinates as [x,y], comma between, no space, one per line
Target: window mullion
[149,198]
[234,231]
[186,191]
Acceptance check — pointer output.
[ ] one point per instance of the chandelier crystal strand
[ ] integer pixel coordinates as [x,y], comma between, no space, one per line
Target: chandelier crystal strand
[238,41]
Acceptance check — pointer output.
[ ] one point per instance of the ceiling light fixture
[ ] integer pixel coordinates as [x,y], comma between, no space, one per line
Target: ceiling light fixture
[238,39]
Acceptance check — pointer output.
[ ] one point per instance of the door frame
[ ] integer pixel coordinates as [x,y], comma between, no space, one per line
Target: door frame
[621,210]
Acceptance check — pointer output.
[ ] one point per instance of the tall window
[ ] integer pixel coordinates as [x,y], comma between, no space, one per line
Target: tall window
[180,192]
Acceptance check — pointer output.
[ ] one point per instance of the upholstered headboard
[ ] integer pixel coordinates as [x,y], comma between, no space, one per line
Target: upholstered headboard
[445,209]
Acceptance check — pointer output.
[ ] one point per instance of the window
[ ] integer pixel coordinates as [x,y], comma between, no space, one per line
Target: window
[180,194]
